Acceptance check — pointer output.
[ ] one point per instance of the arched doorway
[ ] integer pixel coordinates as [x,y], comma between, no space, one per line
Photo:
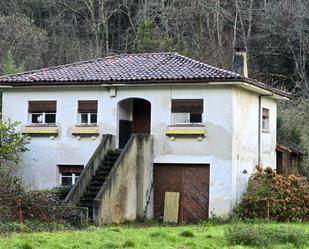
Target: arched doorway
[134,115]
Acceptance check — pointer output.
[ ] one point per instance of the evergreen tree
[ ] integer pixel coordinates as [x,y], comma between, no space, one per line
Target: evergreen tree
[9,66]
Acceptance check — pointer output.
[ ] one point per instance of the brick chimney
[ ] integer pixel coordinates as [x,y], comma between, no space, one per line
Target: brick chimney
[240,64]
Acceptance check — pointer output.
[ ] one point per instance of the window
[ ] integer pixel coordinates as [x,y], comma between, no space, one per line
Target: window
[69,174]
[265,120]
[42,112]
[87,112]
[187,111]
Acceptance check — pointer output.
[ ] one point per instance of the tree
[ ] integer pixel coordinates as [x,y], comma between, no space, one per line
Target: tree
[12,142]
[23,39]
[9,66]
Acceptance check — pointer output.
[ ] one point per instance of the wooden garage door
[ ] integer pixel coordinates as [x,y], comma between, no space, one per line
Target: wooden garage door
[191,181]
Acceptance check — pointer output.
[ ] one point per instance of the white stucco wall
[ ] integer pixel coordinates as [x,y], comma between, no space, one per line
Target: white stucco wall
[245,137]
[268,139]
[39,165]
[230,117]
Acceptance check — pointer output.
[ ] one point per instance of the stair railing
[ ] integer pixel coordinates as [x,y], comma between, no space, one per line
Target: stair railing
[123,195]
[107,143]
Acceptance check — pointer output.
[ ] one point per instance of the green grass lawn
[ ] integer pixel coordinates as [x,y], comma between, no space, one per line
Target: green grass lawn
[199,236]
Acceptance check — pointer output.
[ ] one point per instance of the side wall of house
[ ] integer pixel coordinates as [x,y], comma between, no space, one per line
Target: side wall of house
[268,139]
[245,137]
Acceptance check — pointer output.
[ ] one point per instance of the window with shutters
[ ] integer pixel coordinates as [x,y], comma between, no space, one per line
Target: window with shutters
[265,120]
[42,112]
[69,174]
[186,111]
[87,112]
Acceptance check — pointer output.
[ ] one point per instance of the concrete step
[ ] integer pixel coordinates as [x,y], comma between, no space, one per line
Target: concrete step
[99,178]
[84,203]
[90,194]
[102,173]
[93,188]
[95,182]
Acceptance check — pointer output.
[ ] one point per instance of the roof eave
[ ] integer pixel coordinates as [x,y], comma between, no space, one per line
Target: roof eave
[243,82]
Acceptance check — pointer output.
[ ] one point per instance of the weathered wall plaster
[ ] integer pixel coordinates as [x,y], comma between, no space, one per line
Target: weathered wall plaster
[230,146]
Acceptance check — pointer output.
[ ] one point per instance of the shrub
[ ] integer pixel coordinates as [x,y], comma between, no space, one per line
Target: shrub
[60,191]
[110,246]
[128,243]
[262,236]
[18,202]
[187,234]
[27,245]
[274,196]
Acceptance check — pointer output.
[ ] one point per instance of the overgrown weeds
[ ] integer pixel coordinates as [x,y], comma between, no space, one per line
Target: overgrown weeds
[264,237]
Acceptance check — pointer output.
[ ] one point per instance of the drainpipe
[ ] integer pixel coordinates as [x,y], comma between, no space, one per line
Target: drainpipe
[259,126]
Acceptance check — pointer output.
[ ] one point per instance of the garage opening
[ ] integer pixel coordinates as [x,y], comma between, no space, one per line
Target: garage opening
[191,181]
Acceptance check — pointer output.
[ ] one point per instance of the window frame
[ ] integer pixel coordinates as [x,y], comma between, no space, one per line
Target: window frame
[74,172]
[187,114]
[43,118]
[89,114]
[82,110]
[265,120]
[42,107]
[74,177]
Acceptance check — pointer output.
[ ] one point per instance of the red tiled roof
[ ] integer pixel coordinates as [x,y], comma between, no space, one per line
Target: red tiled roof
[130,69]
[126,67]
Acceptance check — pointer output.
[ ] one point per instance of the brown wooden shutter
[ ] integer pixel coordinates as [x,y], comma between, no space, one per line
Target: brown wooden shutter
[70,168]
[42,106]
[88,106]
[187,105]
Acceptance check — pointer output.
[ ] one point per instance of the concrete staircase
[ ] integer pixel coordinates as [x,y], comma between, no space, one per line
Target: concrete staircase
[97,181]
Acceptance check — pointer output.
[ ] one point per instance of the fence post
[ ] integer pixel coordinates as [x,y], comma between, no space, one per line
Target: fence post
[268,208]
[20,217]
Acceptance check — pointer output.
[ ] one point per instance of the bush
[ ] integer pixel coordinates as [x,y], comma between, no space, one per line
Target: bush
[128,243]
[275,197]
[187,234]
[60,191]
[262,236]
[18,202]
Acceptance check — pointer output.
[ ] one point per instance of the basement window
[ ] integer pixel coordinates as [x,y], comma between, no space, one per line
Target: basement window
[42,112]
[187,111]
[69,174]
[87,112]
[265,120]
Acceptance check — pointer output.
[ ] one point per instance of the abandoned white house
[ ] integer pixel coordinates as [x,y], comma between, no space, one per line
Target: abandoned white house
[204,130]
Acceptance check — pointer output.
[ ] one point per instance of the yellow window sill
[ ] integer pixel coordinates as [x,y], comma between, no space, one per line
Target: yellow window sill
[186,131]
[40,131]
[90,131]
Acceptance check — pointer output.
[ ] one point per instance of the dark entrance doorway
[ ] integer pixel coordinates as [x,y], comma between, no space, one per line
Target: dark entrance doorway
[134,118]
[191,181]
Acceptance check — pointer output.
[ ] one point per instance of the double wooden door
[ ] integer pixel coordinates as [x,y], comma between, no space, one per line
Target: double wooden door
[191,181]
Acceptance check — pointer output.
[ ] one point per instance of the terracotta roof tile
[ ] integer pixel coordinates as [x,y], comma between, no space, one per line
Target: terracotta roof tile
[126,67]
[130,69]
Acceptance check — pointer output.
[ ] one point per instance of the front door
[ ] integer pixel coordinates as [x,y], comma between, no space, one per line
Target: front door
[191,181]
[141,117]
[140,123]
